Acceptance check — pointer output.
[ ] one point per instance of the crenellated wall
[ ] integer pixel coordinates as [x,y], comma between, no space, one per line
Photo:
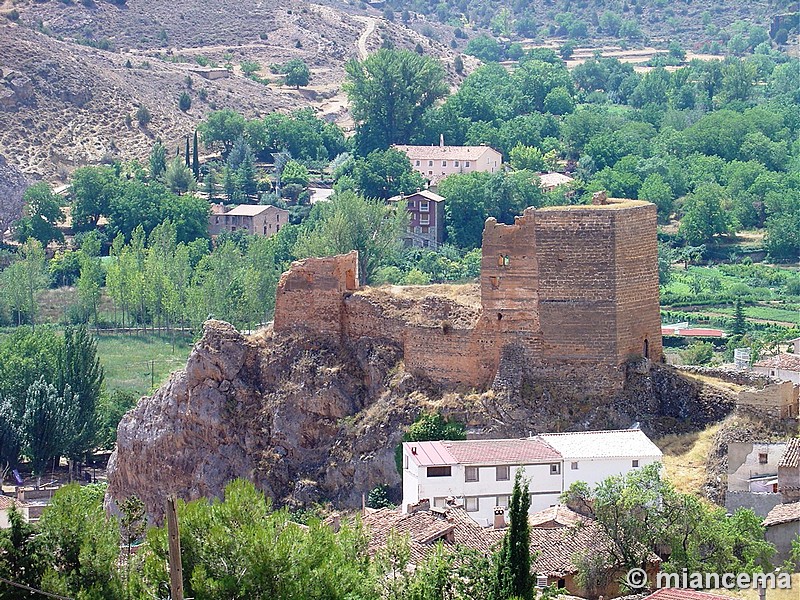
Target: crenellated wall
[573,290]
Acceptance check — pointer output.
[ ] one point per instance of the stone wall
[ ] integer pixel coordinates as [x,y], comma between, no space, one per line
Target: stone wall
[573,289]
[759,502]
[310,294]
[777,400]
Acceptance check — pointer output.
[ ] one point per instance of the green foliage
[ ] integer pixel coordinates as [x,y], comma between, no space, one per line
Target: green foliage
[178,177]
[92,189]
[386,173]
[158,160]
[297,73]
[379,497]
[705,217]
[351,222]
[698,353]
[221,129]
[485,48]
[41,214]
[295,173]
[513,567]
[527,158]
[185,101]
[404,81]
[143,115]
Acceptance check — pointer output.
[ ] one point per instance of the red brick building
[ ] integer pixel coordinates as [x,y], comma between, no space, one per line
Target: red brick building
[426,218]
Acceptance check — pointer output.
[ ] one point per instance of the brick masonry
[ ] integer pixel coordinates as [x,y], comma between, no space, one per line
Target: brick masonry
[569,295]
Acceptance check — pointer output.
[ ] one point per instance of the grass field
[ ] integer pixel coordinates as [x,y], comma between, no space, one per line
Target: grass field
[127,359]
[685,458]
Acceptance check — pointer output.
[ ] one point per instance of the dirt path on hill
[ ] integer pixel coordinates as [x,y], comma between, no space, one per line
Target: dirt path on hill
[369,29]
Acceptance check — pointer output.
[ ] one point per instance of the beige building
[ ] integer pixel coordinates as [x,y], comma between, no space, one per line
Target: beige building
[256,219]
[550,181]
[435,163]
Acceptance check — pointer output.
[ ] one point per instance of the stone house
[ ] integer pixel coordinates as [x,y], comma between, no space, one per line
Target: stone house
[783,526]
[426,219]
[480,473]
[256,219]
[435,163]
[785,366]
[789,472]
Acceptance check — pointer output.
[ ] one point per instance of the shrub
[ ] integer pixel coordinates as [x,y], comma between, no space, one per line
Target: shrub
[185,102]
[143,115]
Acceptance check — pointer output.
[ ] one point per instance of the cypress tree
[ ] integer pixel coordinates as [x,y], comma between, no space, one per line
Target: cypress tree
[188,153]
[513,568]
[195,158]
[739,324]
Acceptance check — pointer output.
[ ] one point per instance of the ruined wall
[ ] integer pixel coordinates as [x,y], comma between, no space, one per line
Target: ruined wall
[778,400]
[574,290]
[310,294]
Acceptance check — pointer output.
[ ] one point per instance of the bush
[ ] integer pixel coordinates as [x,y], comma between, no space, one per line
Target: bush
[379,497]
[143,115]
[185,102]
[699,353]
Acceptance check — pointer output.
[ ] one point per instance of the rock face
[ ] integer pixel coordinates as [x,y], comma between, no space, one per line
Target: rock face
[309,419]
[12,187]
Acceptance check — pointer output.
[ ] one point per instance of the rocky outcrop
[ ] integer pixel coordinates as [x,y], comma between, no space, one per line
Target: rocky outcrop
[310,418]
[12,186]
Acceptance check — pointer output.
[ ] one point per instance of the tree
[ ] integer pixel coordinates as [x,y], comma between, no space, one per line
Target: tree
[92,190]
[297,73]
[185,101]
[46,424]
[559,102]
[143,115]
[41,214]
[22,557]
[179,177]
[485,48]
[195,158]
[705,216]
[158,160]
[654,189]
[295,173]
[221,129]
[352,222]
[513,568]
[458,64]
[739,323]
[527,157]
[389,92]
[386,173]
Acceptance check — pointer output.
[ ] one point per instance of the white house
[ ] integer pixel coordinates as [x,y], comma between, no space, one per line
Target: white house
[480,473]
[435,163]
[784,366]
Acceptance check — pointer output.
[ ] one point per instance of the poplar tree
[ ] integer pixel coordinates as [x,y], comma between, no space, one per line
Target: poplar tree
[187,153]
[513,574]
[195,158]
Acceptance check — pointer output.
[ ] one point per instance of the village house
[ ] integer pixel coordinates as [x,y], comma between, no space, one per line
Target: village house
[783,527]
[550,181]
[480,473]
[789,472]
[785,366]
[435,163]
[426,218]
[256,219]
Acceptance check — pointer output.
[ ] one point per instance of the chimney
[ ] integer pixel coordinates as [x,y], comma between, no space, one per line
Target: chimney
[441,140]
[414,450]
[499,517]
[600,198]
[423,505]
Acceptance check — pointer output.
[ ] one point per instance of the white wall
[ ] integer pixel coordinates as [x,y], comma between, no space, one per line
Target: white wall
[743,463]
[793,376]
[593,471]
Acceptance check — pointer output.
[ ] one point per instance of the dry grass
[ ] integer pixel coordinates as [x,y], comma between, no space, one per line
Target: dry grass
[714,382]
[466,294]
[685,458]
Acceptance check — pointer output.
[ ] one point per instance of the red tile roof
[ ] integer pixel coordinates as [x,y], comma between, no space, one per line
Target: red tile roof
[482,452]
[783,361]
[791,458]
[693,332]
[555,516]
[783,513]
[679,594]
[7,502]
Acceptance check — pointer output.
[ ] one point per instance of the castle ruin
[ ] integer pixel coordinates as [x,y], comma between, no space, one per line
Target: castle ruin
[569,296]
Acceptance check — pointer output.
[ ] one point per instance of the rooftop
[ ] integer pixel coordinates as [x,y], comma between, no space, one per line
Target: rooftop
[427,194]
[784,362]
[791,457]
[622,443]
[482,452]
[251,210]
[783,513]
[7,502]
[547,180]
[554,517]
[444,152]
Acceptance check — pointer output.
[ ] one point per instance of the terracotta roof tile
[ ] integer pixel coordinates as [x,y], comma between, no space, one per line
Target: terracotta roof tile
[791,458]
[555,516]
[783,513]
[7,502]
[483,452]
[444,152]
[783,361]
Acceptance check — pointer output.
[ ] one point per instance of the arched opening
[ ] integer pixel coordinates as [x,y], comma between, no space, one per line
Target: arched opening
[646,349]
[350,279]
[499,316]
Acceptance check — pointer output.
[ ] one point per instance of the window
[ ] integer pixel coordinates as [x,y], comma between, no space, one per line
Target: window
[502,501]
[424,206]
[417,163]
[438,471]
[424,219]
[216,220]
[466,164]
[503,473]
[278,218]
[763,458]
[471,473]
[555,469]
[405,462]
[439,502]
[455,163]
[424,230]
[444,163]
[472,504]
[574,466]
[277,227]
[411,204]
[430,163]
[430,172]
[634,463]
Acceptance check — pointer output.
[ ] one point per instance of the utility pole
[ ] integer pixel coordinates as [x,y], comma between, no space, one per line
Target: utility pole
[175,567]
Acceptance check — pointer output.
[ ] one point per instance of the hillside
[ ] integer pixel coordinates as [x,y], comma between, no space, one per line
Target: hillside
[65,102]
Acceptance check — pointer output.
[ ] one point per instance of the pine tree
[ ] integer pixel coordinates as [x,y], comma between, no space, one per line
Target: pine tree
[513,568]
[739,324]
[195,158]
[158,160]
